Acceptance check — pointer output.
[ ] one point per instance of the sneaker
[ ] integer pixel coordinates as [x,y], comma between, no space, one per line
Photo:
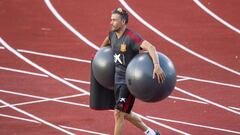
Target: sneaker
[157,133]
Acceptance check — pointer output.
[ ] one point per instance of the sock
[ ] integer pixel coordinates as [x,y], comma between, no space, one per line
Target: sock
[149,131]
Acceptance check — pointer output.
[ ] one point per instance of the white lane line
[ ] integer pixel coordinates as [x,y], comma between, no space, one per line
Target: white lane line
[49,99]
[43,99]
[172,97]
[22,71]
[83,105]
[2,47]
[41,75]
[189,100]
[46,100]
[19,118]
[216,17]
[183,79]
[209,81]
[36,118]
[207,101]
[235,108]
[58,99]
[77,104]
[162,125]
[40,68]
[53,56]
[82,130]
[173,41]
[34,121]
[78,81]
[67,25]
[195,125]
[87,82]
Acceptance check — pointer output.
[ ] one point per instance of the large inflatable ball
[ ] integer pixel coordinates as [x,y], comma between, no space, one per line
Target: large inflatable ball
[103,67]
[139,77]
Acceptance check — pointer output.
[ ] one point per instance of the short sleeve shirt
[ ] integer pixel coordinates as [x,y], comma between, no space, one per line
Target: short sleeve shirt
[124,49]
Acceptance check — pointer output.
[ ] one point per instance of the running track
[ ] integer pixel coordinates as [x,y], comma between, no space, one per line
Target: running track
[44,66]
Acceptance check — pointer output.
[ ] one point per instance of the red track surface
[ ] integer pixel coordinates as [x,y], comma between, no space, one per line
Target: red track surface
[30,25]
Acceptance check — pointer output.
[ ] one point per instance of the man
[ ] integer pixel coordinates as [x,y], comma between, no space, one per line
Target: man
[126,44]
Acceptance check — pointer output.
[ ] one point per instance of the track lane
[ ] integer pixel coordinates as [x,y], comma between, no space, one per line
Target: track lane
[35,28]
[63,68]
[216,17]
[29,128]
[184,67]
[199,26]
[214,92]
[7,60]
[193,113]
[224,9]
[37,118]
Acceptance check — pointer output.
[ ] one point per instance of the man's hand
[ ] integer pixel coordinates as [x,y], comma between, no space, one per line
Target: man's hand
[157,71]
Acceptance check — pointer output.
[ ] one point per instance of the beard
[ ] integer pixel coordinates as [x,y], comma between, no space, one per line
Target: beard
[116,29]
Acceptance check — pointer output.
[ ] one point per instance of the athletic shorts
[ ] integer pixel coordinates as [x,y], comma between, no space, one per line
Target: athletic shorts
[124,99]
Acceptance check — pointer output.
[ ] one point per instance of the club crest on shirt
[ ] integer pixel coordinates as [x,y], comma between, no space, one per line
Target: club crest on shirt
[123,47]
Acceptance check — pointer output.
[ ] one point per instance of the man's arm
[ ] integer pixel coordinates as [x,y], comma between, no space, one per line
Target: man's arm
[153,53]
[106,42]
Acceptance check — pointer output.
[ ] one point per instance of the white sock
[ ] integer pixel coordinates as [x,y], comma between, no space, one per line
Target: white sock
[149,131]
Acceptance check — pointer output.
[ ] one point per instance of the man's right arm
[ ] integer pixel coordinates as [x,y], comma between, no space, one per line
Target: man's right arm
[106,42]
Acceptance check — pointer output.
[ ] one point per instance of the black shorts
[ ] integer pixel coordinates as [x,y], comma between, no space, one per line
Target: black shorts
[124,99]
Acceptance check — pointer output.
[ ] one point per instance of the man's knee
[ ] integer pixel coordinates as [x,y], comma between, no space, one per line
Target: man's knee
[119,115]
[128,116]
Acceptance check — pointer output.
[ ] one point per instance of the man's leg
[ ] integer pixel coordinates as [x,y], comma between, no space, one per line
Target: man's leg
[124,104]
[119,122]
[137,121]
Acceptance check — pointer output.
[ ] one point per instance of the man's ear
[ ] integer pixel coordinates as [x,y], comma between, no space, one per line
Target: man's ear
[123,21]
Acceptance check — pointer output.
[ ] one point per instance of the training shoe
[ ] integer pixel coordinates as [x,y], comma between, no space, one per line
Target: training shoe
[157,133]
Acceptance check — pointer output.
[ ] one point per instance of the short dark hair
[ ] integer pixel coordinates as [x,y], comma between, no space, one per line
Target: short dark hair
[123,13]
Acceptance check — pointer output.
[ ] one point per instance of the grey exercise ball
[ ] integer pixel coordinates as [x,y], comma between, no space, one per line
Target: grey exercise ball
[103,67]
[139,77]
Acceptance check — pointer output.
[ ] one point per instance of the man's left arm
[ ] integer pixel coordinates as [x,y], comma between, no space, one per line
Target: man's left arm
[153,53]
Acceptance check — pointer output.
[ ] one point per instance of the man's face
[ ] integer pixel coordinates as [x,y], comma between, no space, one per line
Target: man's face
[116,22]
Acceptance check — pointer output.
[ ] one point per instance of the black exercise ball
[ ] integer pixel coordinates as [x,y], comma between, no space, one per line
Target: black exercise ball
[139,77]
[103,67]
